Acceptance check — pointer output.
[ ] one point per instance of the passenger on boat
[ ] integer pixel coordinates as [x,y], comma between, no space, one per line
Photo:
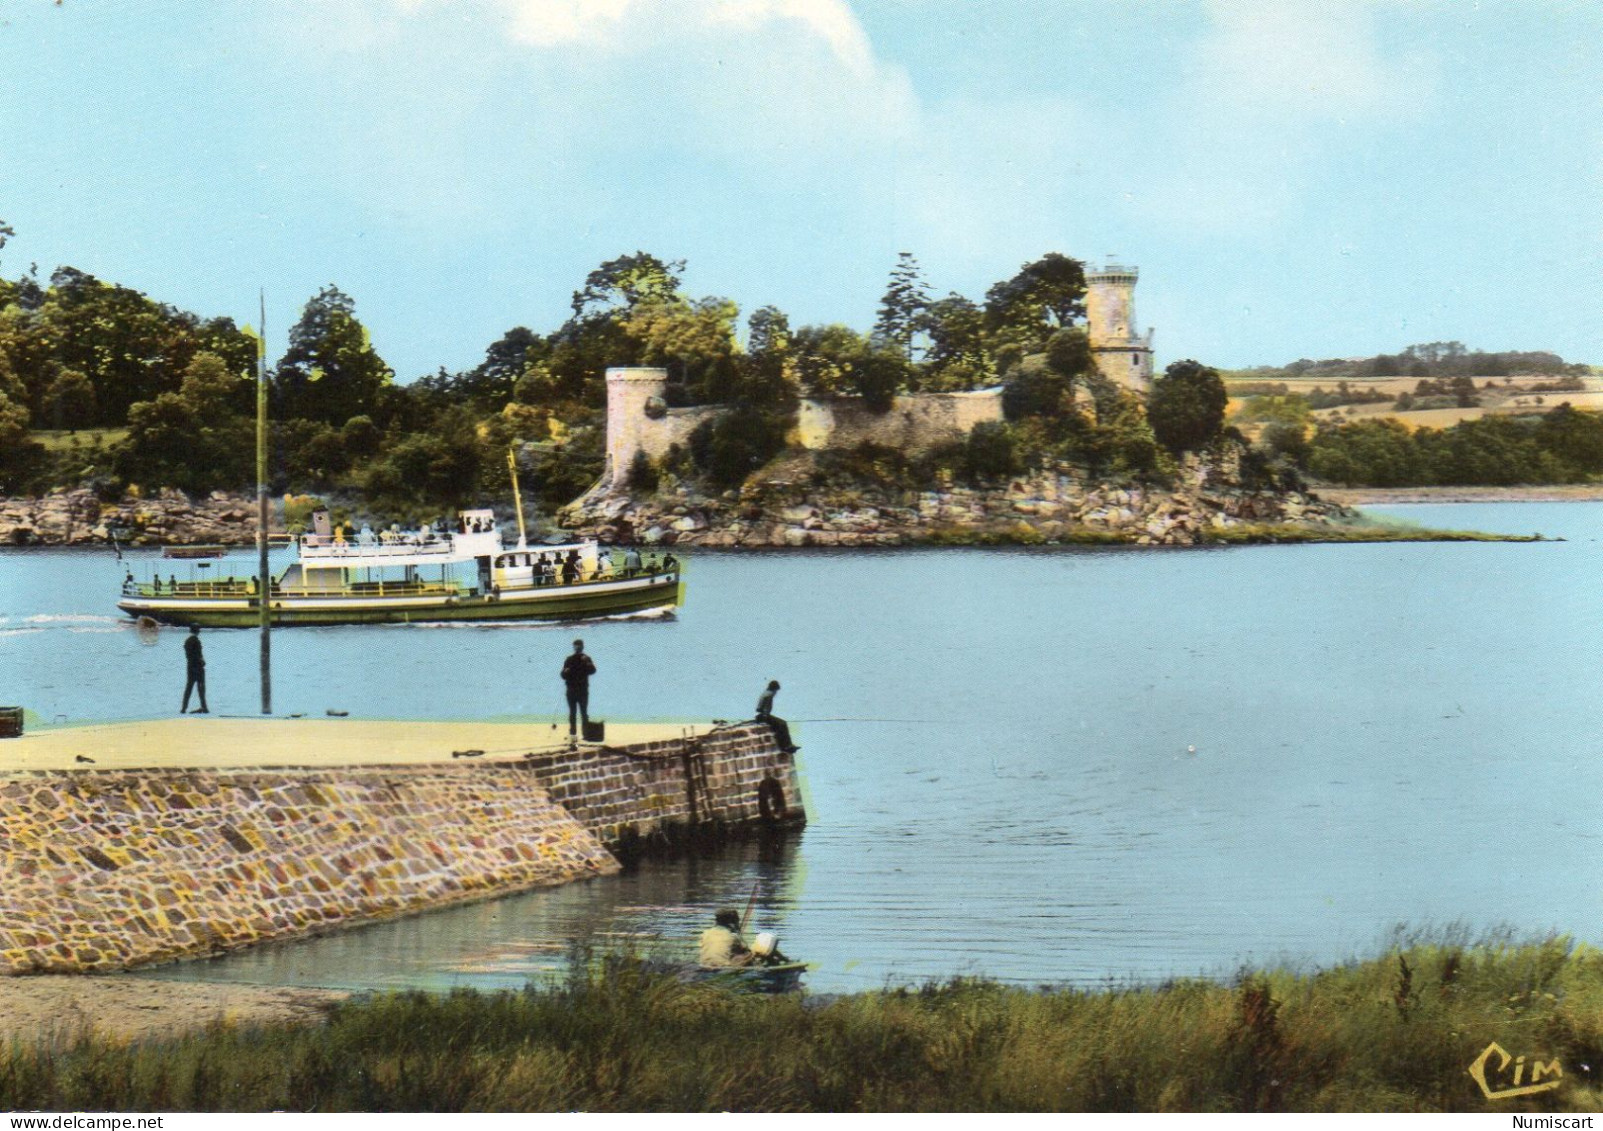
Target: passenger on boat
[570,568]
[669,562]
[172,582]
[721,944]
[604,564]
[631,562]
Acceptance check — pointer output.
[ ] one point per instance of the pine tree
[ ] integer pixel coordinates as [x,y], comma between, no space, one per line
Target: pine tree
[904,307]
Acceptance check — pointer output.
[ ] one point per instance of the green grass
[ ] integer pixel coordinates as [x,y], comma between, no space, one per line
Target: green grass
[60,440]
[1396,1033]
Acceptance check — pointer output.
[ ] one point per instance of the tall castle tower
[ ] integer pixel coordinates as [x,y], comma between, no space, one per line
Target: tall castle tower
[629,393]
[1121,354]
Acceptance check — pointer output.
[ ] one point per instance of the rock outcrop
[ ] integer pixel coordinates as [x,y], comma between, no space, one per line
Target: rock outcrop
[74,518]
[1205,505]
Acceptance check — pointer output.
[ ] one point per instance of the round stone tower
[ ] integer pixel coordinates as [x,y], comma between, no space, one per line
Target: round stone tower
[1121,354]
[628,391]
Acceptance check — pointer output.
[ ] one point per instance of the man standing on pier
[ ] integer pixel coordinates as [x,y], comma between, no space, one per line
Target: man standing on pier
[196,663]
[576,673]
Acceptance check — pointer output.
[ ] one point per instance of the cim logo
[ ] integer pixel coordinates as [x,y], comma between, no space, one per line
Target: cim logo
[1542,1077]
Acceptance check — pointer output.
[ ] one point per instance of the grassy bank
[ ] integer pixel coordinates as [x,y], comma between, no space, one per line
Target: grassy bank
[1396,1033]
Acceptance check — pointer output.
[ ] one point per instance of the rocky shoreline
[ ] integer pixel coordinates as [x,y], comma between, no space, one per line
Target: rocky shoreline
[1050,506]
[80,518]
[1206,506]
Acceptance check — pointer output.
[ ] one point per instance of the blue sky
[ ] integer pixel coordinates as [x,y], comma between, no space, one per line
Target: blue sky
[1293,178]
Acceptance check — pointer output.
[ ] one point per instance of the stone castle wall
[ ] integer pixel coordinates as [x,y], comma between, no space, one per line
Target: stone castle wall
[914,421]
[639,421]
[108,869]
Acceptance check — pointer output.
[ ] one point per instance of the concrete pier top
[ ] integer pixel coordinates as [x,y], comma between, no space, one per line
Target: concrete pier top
[220,742]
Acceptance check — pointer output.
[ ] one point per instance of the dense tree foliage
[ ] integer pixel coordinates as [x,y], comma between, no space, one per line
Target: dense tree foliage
[331,372]
[1564,446]
[1425,359]
[168,396]
[1187,406]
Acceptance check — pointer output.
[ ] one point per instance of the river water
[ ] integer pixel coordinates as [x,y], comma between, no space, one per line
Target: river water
[1039,765]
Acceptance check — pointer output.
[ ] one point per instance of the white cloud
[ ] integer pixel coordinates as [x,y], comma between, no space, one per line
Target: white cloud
[553,23]
[1271,91]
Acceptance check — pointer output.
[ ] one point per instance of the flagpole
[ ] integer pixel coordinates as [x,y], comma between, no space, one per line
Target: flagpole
[264,585]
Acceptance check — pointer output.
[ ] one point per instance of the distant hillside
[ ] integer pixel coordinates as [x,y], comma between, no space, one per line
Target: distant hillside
[1427,359]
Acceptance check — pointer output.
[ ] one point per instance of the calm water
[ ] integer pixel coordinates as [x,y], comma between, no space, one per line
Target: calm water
[997,748]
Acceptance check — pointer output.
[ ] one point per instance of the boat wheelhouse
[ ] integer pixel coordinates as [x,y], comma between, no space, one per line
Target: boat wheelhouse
[426,575]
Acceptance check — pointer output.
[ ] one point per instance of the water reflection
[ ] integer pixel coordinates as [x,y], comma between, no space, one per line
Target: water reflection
[657,907]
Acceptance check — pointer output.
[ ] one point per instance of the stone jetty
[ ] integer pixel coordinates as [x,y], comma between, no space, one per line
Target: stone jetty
[127,844]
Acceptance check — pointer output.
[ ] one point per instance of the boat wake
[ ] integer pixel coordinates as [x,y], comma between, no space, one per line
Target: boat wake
[68,619]
[536,625]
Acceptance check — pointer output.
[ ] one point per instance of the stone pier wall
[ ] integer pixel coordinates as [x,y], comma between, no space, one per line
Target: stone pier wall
[112,869]
[620,793]
[108,869]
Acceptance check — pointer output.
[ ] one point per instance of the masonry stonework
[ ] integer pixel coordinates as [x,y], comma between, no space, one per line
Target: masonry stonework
[108,869]
[1122,354]
[733,775]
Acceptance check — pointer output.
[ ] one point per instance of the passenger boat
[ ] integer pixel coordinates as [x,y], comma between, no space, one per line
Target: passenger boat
[463,575]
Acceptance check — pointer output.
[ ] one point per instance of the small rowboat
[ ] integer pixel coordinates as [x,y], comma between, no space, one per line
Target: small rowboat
[782,978]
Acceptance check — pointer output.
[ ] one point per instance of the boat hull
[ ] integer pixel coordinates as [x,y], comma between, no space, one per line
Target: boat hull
[581,601]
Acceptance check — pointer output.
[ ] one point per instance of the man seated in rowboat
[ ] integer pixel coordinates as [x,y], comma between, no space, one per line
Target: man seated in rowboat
[721,944]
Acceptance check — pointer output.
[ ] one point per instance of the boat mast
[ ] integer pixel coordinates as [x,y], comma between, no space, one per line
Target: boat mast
[264,585]
[517,497]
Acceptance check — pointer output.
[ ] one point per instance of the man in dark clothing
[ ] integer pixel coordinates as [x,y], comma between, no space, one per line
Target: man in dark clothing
[765,714]
[576,672]
[196,663]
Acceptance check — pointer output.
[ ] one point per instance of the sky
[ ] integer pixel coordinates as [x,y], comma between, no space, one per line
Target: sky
[1294,178]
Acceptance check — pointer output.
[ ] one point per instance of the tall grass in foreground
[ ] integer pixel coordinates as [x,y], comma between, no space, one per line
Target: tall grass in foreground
[1395,1033]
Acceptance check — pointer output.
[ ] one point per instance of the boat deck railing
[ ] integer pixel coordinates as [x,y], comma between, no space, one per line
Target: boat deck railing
[404,545]
[237,588]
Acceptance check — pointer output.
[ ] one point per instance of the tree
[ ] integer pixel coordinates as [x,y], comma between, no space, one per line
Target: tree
[495,378]
[624,283]
[1574,437]
[192,439]
[695,341]
[768,332]
[733,445]
[1186,406]
[904,308]
[1046,295]
[331,372]
[959,354]
[827,358]
[69,402]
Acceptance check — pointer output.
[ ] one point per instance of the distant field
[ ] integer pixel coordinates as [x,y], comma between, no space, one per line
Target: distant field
[1501,401]
[55,440]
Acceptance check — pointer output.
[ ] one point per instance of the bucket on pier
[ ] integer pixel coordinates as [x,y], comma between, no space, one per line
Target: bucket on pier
[10,722]
[595,730]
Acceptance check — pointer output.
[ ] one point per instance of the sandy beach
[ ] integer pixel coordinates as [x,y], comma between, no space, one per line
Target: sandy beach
[131,1008]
